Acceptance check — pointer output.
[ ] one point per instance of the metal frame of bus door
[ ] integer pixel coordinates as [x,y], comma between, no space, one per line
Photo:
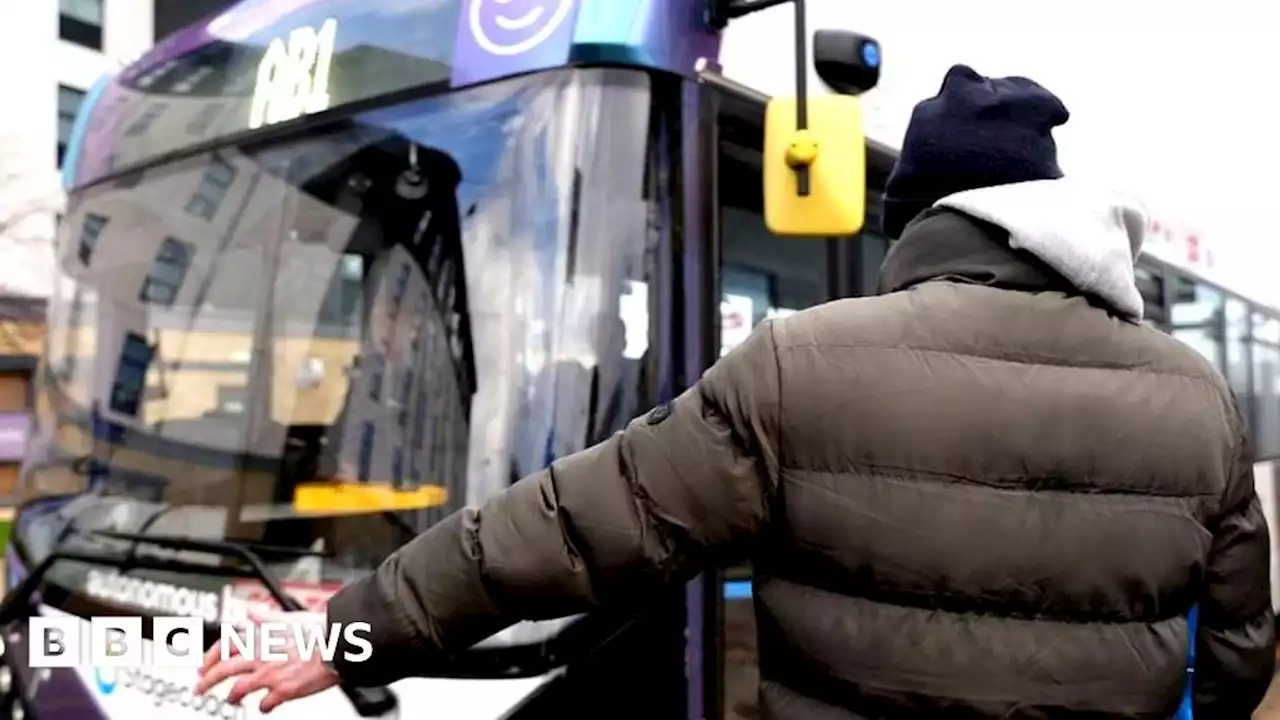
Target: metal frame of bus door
[701,264]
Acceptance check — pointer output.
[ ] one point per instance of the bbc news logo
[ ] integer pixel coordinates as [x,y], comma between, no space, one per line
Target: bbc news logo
[179,642]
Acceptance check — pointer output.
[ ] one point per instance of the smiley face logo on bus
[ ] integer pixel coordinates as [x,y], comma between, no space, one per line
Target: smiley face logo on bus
[514,27]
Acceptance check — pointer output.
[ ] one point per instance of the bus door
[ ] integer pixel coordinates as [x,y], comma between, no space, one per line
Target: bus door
[764,276]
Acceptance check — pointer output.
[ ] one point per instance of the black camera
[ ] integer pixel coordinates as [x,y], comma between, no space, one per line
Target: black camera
[847,62]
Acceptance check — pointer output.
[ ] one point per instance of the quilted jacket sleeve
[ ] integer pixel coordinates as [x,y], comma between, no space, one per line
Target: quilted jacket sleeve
[1235,643]
[650,506]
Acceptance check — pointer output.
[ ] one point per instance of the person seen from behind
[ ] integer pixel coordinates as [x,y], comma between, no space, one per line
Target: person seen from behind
[989,491]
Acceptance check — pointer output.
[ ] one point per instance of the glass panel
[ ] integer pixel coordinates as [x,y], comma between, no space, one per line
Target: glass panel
[145,119]
[1197,318]
[395,307]
[763,275]
[74,30]
[65,126]
[1266,385]
[1266,328]
[69,100]
[343,302]
[1151,286]
[88,11]
[90,228]
[1237,347]
[1266,399]
[215,184]
[169,269]
[131,375]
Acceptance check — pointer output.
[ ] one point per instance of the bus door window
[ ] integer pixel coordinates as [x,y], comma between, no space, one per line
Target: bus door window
[762,275]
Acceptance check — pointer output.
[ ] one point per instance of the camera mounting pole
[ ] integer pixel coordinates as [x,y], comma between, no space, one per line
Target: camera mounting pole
[803,150]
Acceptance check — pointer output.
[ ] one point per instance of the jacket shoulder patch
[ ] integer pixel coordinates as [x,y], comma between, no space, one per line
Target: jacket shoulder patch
[659,413]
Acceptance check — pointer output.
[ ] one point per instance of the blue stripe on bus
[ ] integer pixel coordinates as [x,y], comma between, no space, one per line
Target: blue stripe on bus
[614,31]
[71,160]
[737,590]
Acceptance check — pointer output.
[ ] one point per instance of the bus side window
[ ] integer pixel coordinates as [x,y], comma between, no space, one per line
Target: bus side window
[1151,287]
[1266,385]
[1197,316]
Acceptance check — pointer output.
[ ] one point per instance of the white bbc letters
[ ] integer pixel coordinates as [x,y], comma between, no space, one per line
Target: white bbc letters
[115,642]
[177,642]
[54,642]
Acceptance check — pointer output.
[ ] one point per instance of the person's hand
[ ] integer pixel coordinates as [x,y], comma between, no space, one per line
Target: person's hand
[285,680]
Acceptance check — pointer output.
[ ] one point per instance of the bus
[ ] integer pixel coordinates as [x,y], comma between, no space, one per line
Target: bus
[332,269]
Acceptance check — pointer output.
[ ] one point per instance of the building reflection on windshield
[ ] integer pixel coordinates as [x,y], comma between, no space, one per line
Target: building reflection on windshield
[333,339]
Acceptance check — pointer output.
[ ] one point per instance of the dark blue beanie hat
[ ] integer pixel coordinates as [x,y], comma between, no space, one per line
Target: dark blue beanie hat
[976,132]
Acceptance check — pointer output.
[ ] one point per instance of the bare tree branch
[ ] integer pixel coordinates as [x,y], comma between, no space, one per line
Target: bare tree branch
[30,198]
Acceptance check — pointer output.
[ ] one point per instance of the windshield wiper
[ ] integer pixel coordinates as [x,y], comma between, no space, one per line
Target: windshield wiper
[86,465]
[368,702]
[258,549]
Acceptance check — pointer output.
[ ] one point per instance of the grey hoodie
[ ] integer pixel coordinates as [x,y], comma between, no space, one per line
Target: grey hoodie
[1091,238]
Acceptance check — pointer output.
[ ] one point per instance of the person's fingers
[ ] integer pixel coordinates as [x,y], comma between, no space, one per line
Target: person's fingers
[235,666]
[264,678]
[297,680]
[212,656]
[281,693]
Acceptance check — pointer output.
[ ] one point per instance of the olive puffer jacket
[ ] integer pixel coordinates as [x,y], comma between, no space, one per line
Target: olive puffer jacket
[988,492]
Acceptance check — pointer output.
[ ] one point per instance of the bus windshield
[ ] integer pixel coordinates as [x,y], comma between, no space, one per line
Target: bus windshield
[329,341]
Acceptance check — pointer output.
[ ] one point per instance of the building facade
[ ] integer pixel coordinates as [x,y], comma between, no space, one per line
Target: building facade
[51,54]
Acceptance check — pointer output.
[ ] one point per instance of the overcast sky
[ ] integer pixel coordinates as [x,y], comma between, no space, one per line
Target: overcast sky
[1175,101]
